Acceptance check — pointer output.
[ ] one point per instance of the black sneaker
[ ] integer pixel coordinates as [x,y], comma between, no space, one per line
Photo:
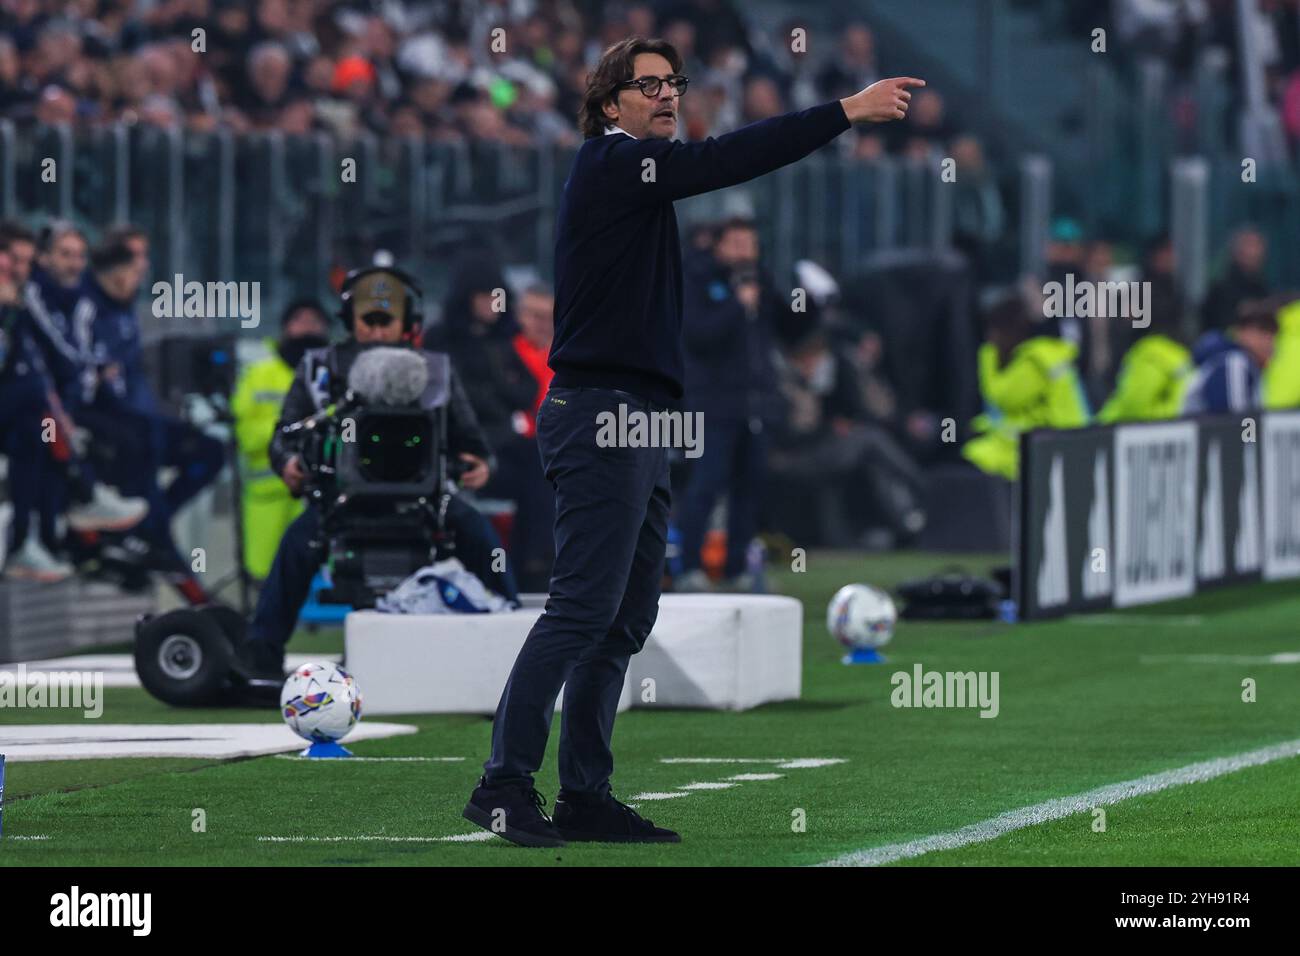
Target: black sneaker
[258,660]
[605,820]
[513,813]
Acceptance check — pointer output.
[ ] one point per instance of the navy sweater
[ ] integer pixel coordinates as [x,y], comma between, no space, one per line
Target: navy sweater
[618,260]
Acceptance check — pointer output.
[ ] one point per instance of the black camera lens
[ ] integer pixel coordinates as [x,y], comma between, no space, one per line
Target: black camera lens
[395,449]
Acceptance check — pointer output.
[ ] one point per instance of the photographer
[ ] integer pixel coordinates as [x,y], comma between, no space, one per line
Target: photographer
[378,310]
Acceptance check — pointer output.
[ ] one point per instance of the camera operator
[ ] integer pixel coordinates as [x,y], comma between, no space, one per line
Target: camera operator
[378,309]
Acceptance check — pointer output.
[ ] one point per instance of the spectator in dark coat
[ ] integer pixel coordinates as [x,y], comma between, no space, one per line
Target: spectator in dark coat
[1243,282]
[852,469]
[729,316]
[478,331]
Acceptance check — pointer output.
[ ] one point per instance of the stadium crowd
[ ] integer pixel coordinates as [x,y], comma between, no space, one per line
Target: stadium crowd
[439,70]
[811,418]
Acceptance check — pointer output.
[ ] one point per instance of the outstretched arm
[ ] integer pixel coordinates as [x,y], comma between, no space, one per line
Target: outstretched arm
[657,170]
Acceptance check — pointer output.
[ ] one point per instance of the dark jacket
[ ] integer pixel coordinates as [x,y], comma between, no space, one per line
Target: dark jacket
[809,408]
[330,366]
[115,340]
[1223,298]
[618,258]
[60,326]
[496,380]
[729,370]
[1226,379]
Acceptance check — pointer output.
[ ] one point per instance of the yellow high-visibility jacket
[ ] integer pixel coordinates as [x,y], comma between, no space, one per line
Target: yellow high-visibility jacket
[1038,387]
[267,506]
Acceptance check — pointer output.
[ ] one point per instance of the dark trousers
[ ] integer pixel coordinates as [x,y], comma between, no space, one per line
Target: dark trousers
[733,464]
[137,445]
[296,562]
[611,529]
[31,470]
[519,478]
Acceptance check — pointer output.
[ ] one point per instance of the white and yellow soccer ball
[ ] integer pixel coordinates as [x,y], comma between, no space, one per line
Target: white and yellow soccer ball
[321,702]
[861,616]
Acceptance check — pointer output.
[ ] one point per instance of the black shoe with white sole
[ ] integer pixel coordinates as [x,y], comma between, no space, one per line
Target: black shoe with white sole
[604,819]
[514,813]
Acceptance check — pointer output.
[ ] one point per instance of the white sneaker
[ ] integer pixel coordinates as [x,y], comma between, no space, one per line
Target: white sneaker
[32,562]
[107,511]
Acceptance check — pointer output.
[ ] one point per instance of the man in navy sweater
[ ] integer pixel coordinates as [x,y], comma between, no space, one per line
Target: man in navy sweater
[618,317]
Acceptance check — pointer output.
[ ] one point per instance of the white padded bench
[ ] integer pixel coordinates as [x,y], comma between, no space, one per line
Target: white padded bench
[715,651]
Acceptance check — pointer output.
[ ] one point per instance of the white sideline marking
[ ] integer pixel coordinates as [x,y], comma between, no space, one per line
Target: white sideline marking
[706,786]
[375,759]
[454,838]
[93,740]
[1062,807]
[24,837]
[1283,657]
[756,776]
[671,795]
[783,763]
[119,669]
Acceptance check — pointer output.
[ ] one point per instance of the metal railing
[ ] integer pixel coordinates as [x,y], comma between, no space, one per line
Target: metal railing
[286,210]
[283,210]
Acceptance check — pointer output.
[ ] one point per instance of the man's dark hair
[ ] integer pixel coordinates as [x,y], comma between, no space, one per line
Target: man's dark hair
[615,67]
[108,256]
[1259,313]
[735,222]
[55,230]
[1009,319]
[120,233]
[304,302]
[13,231]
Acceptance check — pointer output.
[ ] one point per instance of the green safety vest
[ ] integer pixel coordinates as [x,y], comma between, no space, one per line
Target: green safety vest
[1038,387]
[1153,379]
[1282,377]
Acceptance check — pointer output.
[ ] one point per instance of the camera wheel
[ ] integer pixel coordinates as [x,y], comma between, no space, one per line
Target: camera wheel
[183,657]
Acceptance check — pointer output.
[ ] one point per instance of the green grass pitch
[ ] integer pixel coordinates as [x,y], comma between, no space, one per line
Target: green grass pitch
[1084,703]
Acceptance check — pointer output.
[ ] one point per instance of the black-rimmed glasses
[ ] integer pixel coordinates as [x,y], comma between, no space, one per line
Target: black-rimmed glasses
[651,85]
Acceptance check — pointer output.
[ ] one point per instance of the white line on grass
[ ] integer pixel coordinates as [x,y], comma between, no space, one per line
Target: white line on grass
[1062,807]
[784,763]
[710,785]
[670,795]
[742,777]
[24,837]
[454,838]
[1282,657]
[374,759]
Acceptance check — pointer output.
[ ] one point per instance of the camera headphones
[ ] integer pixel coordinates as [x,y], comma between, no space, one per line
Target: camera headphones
[412,317]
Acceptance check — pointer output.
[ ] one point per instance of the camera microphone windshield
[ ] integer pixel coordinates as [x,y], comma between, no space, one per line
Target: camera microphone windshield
[388,376]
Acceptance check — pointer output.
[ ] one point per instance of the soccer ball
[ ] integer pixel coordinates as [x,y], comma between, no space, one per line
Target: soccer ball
[861,616]
[321,702]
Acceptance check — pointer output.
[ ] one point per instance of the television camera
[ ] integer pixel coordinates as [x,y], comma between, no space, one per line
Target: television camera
[379,475]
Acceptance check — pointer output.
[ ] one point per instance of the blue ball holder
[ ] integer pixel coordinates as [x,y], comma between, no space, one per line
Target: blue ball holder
[863,655]
[326,750]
